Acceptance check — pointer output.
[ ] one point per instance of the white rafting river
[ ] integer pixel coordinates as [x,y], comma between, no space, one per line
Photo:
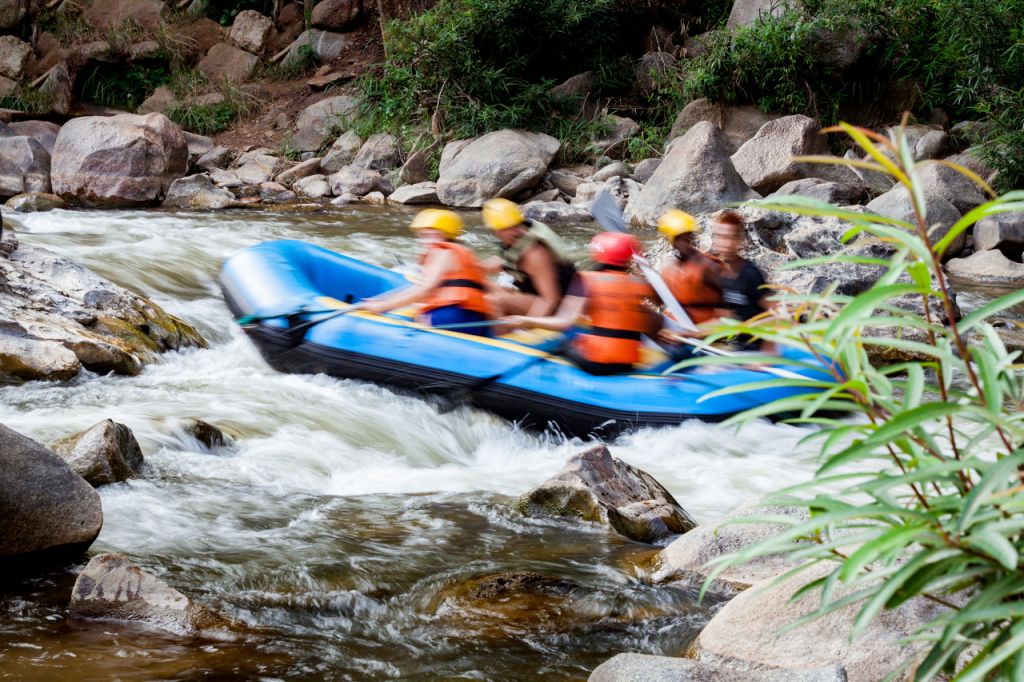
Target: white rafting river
[342,511]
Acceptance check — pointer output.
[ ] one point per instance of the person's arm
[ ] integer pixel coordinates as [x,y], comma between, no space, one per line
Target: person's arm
[438,263]
[538,263]
[564,318]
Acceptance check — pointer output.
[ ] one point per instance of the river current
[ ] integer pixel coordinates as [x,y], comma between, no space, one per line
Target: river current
[342,518]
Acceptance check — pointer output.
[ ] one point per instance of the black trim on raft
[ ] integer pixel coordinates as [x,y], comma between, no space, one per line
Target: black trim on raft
[537,411]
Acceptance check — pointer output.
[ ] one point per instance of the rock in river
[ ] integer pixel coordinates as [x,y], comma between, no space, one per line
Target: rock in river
[105,453]
[113,588]
[47,509]
[594,486]
[47,297]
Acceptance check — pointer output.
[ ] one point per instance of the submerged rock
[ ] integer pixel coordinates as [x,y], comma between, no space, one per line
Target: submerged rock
[105,453]
[113,588]
[205,432]
[594,486]
[34,202]
[47,509]
[47,297]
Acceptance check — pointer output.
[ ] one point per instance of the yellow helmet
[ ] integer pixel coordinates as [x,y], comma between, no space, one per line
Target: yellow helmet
[501,214]
[438,219]
[675,223]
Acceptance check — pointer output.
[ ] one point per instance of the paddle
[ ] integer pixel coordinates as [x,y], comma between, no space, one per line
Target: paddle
[607,212]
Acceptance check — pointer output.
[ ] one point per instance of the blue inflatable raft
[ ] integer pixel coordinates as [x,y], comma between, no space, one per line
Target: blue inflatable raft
[300,282]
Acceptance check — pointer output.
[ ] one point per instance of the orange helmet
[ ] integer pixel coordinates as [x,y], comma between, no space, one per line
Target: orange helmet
[613,248]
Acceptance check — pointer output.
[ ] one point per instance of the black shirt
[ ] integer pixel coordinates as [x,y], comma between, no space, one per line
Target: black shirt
[742,292]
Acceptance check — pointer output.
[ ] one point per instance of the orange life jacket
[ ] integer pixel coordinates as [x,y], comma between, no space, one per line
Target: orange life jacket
[687,279]
[462,286]
[615,306]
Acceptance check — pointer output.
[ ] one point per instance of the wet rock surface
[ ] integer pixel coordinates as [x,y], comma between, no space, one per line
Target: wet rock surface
[112,588]
[48,510]
[46,297]
[594,486]
[105,453]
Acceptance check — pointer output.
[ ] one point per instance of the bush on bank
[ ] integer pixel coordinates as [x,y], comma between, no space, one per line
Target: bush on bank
[920,490]
[480,65]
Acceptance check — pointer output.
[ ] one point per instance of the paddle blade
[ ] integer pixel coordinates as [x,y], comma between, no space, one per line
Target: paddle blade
[606,211]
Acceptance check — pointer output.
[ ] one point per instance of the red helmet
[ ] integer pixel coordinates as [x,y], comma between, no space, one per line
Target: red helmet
[613,248]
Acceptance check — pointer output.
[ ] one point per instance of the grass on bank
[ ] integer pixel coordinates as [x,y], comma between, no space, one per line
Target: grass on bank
[923,459]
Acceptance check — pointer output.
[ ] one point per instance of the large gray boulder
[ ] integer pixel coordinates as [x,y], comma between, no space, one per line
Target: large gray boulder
[696,176]
[1003,231]
[316,120]
[953,186]
[336,15]
[24,166]
[987,267]
[228,63]
[251,30]
[122,160]
[198,192]
[647,668]
[765,162]
[113,588]
[498,164]
[105,453]
[940,215]
[254,169]
[688,559]
[43,132]
[14,57]
[749,627]
[738,122]
[49,298]
[594,486]
[47,509]
[380,152]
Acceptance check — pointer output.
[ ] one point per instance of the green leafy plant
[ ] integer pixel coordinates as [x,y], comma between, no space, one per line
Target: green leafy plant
[68,24]
[123,88]
[922,460]
[32,100]
[205,119]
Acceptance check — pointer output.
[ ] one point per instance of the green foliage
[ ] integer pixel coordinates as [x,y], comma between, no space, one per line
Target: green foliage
[917,54]
[479,65]
[68,24]
[123,88]
[288,151]
[28,99]
[1002,150]
[648,143]
[205,119]
[922,461]
[289,68]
